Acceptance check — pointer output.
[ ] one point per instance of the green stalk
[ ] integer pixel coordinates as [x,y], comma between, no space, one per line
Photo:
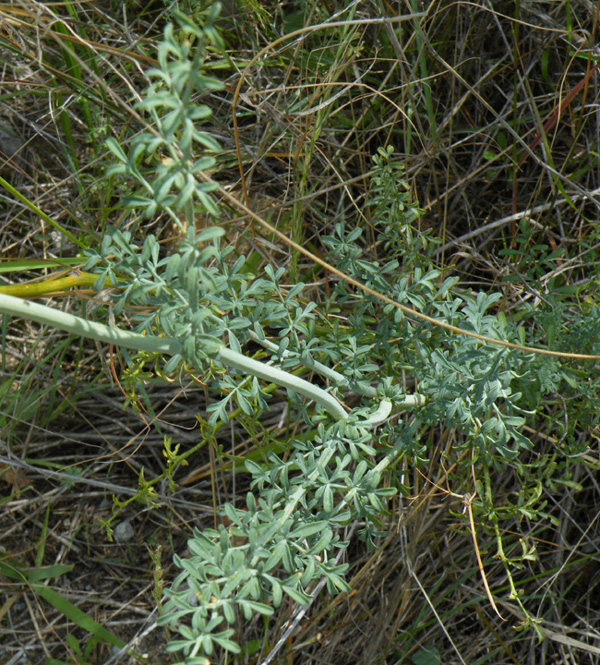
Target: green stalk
[37,289]
[165,345]
[280,377]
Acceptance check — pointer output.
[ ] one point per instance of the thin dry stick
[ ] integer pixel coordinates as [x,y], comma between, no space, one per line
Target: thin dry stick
[467,500]
[528,212]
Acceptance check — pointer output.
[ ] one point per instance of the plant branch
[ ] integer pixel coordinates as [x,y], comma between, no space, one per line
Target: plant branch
[165,345]
[409,311]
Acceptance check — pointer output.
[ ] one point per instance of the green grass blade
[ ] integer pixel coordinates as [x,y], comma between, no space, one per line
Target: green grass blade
[77,616]
[9,188]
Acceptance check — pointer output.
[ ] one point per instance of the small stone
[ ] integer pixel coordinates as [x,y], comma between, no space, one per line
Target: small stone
[123,532]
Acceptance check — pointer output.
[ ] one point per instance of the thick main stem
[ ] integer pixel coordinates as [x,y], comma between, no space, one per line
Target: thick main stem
[166,345]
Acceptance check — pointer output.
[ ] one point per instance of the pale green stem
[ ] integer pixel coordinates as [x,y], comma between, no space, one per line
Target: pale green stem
[75,325]
[323,370]
[282,378]
[384,409]
[102,333]
[379,416]
[166,345]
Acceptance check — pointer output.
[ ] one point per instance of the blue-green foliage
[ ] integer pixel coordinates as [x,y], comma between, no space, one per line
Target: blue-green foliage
[395,215]
[285,538]
[467,384]
[339,473]
[290,530]
[178,148]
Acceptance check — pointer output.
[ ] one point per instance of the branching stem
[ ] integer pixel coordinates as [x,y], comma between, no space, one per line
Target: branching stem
[130,340]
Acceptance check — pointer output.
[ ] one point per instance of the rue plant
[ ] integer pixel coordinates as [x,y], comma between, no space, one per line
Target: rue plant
[202,308]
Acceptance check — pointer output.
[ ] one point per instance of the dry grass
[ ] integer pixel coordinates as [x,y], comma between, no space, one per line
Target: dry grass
[475,98]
